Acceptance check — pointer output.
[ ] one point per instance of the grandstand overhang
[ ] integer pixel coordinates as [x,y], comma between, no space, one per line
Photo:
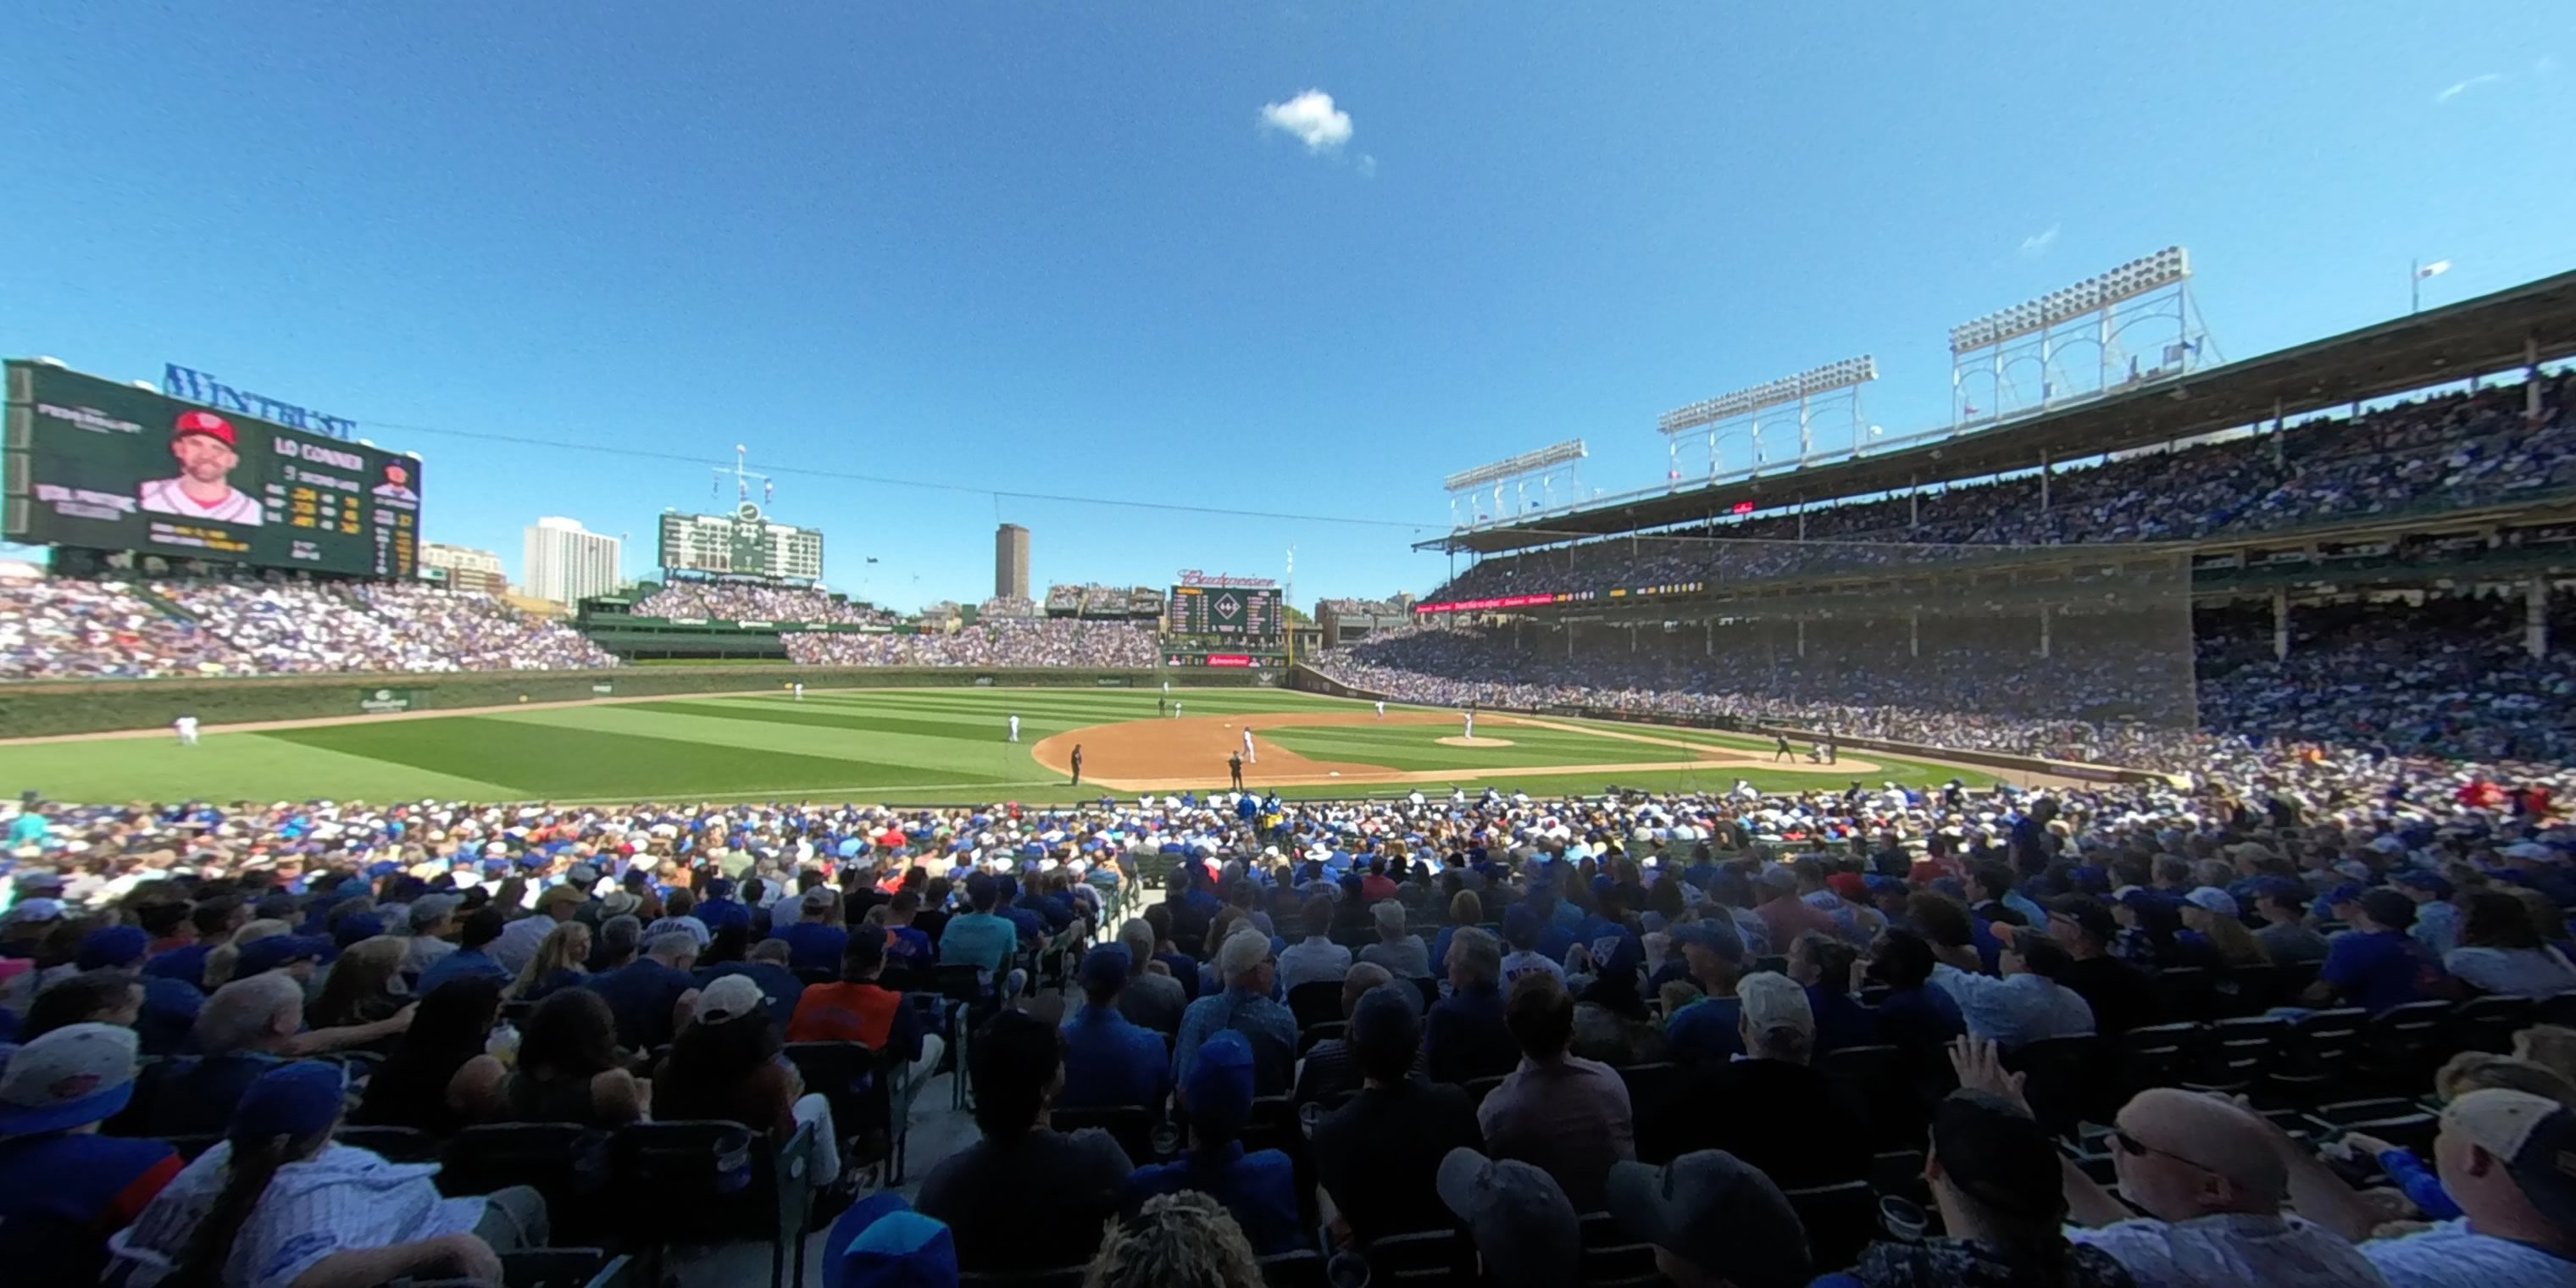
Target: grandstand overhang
[2535,321]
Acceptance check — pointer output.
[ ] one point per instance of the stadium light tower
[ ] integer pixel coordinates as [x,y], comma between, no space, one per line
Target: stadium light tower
[1518,472]
[2141,309]
[1834,386]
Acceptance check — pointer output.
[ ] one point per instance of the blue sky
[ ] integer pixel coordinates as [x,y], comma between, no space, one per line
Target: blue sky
[1055,248]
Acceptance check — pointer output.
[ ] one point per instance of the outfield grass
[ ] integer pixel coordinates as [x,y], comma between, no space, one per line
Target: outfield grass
[925,745]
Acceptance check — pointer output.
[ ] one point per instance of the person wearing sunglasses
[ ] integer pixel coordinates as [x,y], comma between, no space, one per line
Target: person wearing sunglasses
[2211,1183]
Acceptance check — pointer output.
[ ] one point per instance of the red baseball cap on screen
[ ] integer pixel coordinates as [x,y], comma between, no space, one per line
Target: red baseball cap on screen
[206,423]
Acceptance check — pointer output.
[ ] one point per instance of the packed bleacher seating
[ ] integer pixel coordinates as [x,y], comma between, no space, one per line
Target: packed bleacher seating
[2447,678]
[2102,1036]
[1007,606]
[1045,641]
[728,601]
[1063,600]
[62,628]
[2455,451]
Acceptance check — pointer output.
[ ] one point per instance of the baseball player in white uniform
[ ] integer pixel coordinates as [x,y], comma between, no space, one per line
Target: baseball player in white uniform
[1381,709]
[1015,727]
[800,690]
[1471,724]
[1249,756]
[187,728]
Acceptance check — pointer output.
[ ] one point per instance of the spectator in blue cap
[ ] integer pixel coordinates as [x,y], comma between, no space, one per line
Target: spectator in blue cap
[720,909]
[2437,923]
[1259,1187]
[1110,1060]
[169,1006]
[1705,1030]
[880,1242]
[278,1202]
[2282,904]
[2376,965]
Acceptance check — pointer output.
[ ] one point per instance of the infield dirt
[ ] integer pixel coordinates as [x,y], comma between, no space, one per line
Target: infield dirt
[1182,752]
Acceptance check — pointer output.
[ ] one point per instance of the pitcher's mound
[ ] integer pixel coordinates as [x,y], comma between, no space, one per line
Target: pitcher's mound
[1454,740]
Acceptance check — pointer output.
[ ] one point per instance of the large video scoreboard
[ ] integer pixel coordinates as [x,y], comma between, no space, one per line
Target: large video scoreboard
[1213,610]
[90,462]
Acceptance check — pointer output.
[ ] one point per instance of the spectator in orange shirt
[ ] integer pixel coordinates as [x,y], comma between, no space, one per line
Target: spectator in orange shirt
[858,1010]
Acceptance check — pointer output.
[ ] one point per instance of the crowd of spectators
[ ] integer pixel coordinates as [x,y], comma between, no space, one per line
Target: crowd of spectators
[734,601]
[61,628]
[2455,451]
[2448,678]
[1911,1037]
[1034,641]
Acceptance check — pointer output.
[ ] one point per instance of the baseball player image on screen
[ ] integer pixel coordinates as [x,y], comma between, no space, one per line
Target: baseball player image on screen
[203,489]
[396,487]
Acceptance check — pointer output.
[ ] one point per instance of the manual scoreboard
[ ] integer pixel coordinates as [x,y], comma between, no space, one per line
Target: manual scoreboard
[1214,610]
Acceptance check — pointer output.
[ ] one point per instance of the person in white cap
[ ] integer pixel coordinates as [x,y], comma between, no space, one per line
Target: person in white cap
[725,1065]
[63,1186]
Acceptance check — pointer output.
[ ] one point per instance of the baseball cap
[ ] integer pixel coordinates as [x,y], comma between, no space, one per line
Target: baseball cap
[1524,1227]
[1716,936]
[619,903]
[356,926]
[556,894]
[1385,1017]
[427,909]
[722,887]
[2212,899]
[1105,967]
[1219,1088]
[730,997]
[203,422]
[278,950]
[817,899]
[296,1099]
[1709,1208]
[2280,890]
[2533,1136]
[880,1242]
[2431,883]
[75,1075]
[1849,885]
[34,910]
[1771,1000]
[1998,1155]
[111,946]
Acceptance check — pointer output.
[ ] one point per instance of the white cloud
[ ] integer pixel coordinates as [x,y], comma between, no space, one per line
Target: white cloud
[2458,88]
[1312,118]
[2037,244]
[1368,166]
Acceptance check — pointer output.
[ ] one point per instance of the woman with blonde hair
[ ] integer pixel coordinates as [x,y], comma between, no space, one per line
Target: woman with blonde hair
[227,955]
[1183,1240]
[364,986]
[559,963]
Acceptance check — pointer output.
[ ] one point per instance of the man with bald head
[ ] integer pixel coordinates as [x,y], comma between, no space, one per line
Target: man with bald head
[2212,1184]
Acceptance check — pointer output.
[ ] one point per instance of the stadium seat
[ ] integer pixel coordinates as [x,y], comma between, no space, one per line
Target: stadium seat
[1316,1002]
[570,1165]
[1425,1257]
[1132,1126]
[870,1093]
[395,1144]
[1479,1088]
[734,1182]
[827,975]
[1308,1037]
[2403,1045]
[1303,1268]
[2315,1056]
[1612,1255]
[2156,1055]
[1900,1172]
[2488,1024]
[1649,1084]
[2233,1055]
[2396,1120]
[1840,1220]
[1430,991]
